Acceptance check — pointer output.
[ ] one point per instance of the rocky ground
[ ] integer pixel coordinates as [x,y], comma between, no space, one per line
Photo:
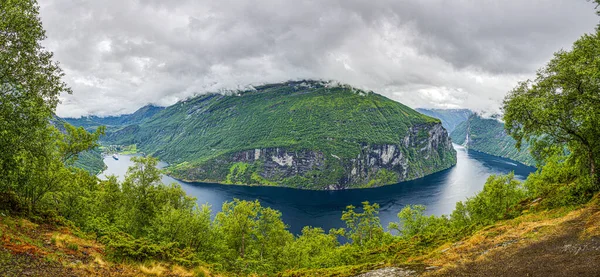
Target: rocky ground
[550,243]
[568,246]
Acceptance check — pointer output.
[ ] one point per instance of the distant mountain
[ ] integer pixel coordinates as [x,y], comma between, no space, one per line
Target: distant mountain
[91,161]
[304,134]
[487,135]
[90,123]
[450,117]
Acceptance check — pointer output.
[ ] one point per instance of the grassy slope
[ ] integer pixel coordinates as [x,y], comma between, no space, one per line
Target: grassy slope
[487,135]
[333,120]
[558,242]
[450,117]
[30,249]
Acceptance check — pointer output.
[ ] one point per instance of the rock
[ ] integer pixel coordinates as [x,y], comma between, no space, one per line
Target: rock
[506,243]
[389,272]
[458,244]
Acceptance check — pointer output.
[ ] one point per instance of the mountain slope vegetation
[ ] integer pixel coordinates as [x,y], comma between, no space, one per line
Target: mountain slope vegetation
[450,117]
[302,134]
[487,135]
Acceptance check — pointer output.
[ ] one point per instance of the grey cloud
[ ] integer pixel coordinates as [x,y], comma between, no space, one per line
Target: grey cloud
[120,55]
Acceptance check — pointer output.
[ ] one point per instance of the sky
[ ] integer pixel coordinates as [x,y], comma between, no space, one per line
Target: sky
[121,55]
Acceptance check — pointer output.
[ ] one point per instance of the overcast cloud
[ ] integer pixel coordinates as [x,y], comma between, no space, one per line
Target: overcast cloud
[121,55]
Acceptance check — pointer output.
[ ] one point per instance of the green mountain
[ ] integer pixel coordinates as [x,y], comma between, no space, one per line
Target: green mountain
[90,123]
[304,134]
[450,117]
[487,135]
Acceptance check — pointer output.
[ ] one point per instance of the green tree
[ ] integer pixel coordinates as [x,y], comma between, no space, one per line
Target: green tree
[254,237]
[496,201]
[187,227]
[46,171]
[560,109]
[363,228]
[30,83]
[314,249]
[139,193]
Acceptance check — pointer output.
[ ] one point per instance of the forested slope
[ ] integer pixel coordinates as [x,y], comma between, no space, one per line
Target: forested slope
[487,135]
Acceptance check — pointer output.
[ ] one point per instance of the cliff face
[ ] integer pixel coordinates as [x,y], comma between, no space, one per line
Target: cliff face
[424,150]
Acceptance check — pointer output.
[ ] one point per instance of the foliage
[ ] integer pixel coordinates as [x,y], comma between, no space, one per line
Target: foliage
[497,201]
[559,183]
[364,228]
[560,108]
[30,83]
[254,236]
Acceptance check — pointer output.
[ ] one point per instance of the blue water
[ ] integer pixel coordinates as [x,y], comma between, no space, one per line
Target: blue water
[439,192]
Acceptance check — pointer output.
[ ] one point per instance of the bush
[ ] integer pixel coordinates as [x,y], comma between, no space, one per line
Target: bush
[497,201]
[559,183]
[124,247]
[413,222]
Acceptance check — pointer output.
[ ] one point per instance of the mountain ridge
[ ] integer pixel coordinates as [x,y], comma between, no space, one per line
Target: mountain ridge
[450,117]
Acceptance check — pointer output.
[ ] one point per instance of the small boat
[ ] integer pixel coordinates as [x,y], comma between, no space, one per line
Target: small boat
[115,156]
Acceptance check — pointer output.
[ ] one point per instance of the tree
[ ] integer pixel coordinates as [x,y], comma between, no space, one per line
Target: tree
[560,109]
[254,237]
[313,249]
[30,83]
[45,170]
[139,194]
[364,228]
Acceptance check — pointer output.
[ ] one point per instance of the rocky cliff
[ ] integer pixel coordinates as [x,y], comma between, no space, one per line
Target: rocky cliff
[424,150]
